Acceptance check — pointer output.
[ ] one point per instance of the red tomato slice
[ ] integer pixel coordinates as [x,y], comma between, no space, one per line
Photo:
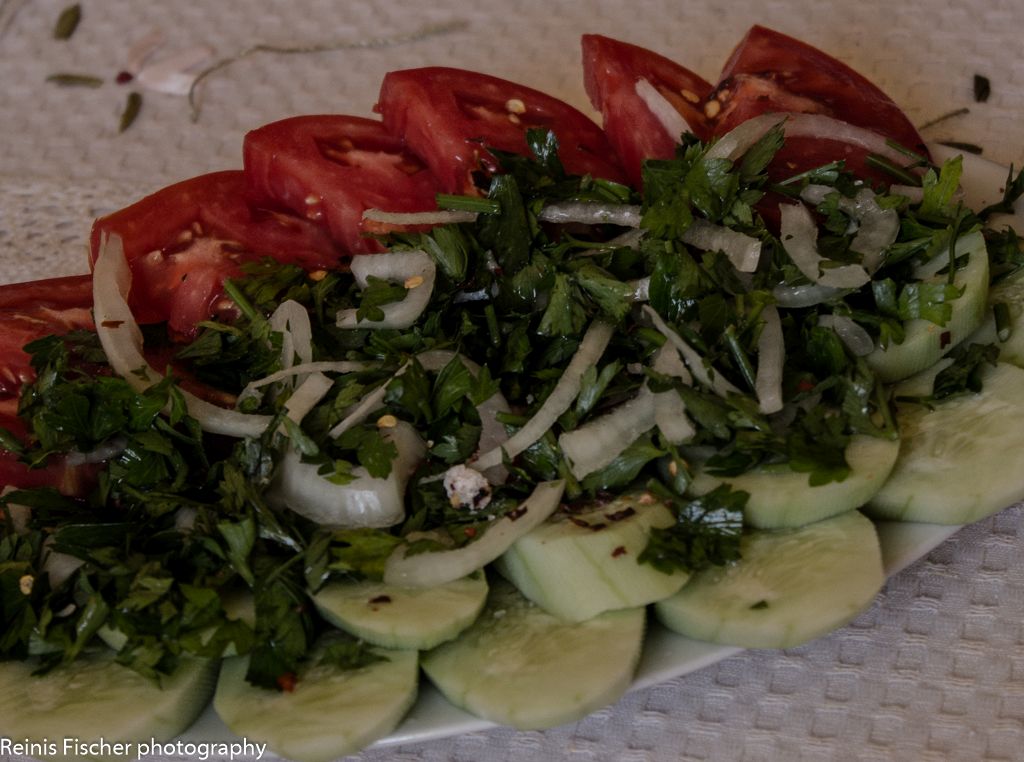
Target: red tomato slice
[29,311]
[770,71]
[611,73]
[330,169]
[182,241]
[449,117]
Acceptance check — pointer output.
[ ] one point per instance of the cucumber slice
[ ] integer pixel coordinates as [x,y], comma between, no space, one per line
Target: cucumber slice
[416,618]
[925,342]
[960,461]
[578,566]
[790,586]
[521,666]
[330,713]
[782,498]
[94,697]
[1009,291]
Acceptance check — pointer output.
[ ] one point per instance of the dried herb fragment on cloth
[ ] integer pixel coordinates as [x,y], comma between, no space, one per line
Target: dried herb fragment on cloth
[67,22]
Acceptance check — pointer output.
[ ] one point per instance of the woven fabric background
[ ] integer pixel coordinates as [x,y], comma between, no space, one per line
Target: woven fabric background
[934,670]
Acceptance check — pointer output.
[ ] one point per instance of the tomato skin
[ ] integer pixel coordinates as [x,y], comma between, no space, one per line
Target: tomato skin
[177,271]
[330,169]
[447,117]
[611,70]
[770,71]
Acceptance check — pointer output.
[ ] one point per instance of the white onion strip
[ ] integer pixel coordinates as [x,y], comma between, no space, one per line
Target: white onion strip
[121,339]
[441,217]
[328,366]
[598,442]
[743,251]
[853,335]
[590,213]
[710,378]
[673,122]
[805,295]
[366,501]
[877,228]
[798,233]
[437,568]
[306,396]
[738,141]
[591,348]
[413,268]
[669,408]
[771,356]
[291,320]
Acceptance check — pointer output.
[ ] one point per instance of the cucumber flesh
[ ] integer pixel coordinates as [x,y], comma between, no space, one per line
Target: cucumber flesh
[1010,292]
[520,666]
[790,586]
[417,618]
[579,566]
[925,342]
[782,498]
[94,697]
[330,713]
[960,461]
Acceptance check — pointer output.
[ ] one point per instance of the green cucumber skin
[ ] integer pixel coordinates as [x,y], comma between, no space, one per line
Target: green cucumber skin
[789,587]
[961,461]
[329,714]
[1009,292]
[95,697]
[926,342]
[577,573]
[784,499]
[403,618]
[520,666]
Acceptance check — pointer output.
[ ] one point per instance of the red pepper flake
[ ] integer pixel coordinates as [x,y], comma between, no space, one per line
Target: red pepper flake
[517,513]
[381,599]
[470,532]
[287,682]
[598,526]
[805,385]
[944,339]
[124,77]
[579,522]
[619,551]
[625,513]
[112,323]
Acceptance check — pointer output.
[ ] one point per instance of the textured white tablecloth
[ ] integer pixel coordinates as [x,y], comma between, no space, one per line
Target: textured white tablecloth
[934,670]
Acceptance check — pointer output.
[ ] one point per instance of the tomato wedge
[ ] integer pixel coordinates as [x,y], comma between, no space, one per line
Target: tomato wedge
[450,117]
[330,169]
[182,241]
[770,71]
[29,311]
[612,73]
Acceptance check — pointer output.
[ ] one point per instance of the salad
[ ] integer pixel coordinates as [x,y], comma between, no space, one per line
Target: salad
[470,387]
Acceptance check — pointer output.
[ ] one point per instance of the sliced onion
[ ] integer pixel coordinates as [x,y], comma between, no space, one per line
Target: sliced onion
[100,454]
[568,387]
[329,366]
[363,408]
[440,217]
[710,378]
[877,228]
[597,443]
[628,240]
[437,568]
[641,289]
[291,320]
[365,501]
[673,122]
[799,235]
[307,395]
[852,334]
[590,213]
[738,141]
[669,408]
[771,356]
[743,251]
[806,295]
[414,268]
[122,342]
[913,193]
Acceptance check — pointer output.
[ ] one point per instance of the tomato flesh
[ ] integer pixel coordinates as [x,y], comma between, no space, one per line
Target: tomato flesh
[330,169]
[611,73]
[183,241]
[450,117]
